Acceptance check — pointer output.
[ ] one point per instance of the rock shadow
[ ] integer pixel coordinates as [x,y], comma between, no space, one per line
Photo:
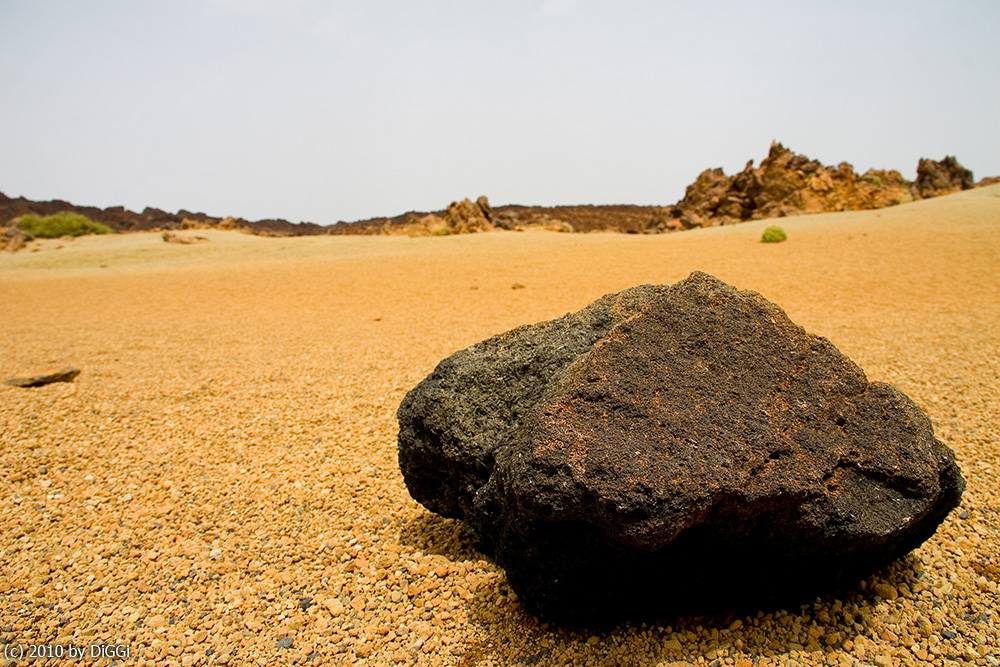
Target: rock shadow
[826,628]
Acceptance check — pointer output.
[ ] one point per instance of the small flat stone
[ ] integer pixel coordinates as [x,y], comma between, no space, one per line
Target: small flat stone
[39,378]
[285,642]
[886,591]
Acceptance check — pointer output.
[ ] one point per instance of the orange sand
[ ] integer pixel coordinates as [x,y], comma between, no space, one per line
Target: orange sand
[231,438]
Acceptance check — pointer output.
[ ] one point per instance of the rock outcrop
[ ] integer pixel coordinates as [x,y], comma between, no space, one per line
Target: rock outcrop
[466,217]
[673,449]
[461,217]
[784,184]
[942,177]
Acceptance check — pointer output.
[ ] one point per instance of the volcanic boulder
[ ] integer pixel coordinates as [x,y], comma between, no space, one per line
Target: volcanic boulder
[673,449]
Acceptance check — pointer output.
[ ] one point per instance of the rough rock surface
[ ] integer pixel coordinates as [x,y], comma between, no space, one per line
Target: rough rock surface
[942,177]
[465,217]
[673,449]
[39,378]
[785,184]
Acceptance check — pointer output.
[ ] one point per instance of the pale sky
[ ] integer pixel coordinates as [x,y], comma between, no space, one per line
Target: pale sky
[342,110]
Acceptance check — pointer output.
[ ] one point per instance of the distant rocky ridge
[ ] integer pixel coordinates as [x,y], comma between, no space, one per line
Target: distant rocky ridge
[784,184]
[467,216]
[121,219]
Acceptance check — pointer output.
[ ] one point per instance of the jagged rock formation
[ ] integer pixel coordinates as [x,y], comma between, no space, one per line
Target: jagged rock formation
[466,217]
[785,184]
[941,178]
[673,449]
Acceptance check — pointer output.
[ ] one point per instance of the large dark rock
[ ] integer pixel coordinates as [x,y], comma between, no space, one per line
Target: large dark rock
[673,449]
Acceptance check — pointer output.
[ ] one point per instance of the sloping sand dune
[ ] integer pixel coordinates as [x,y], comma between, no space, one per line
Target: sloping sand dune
[220,481]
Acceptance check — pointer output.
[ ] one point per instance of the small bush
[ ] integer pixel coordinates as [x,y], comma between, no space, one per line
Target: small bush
[773,234]
[64,223]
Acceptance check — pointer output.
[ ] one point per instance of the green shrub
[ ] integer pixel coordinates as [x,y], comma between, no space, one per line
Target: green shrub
[64,223]
[773,234]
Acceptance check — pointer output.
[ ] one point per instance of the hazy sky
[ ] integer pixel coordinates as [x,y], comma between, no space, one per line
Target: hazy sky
[334,110]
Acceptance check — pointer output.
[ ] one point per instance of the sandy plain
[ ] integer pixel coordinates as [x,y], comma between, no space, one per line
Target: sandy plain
[219,485]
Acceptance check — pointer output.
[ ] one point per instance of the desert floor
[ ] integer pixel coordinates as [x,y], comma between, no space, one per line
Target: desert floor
[219,484]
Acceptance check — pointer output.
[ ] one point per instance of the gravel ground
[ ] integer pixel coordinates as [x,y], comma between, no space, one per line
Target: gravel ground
[219,484]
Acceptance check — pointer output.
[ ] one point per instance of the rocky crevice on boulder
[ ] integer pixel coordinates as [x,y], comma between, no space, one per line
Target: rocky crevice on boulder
[673,449]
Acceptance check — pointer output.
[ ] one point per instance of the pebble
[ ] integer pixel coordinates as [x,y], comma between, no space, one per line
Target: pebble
[885,591]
